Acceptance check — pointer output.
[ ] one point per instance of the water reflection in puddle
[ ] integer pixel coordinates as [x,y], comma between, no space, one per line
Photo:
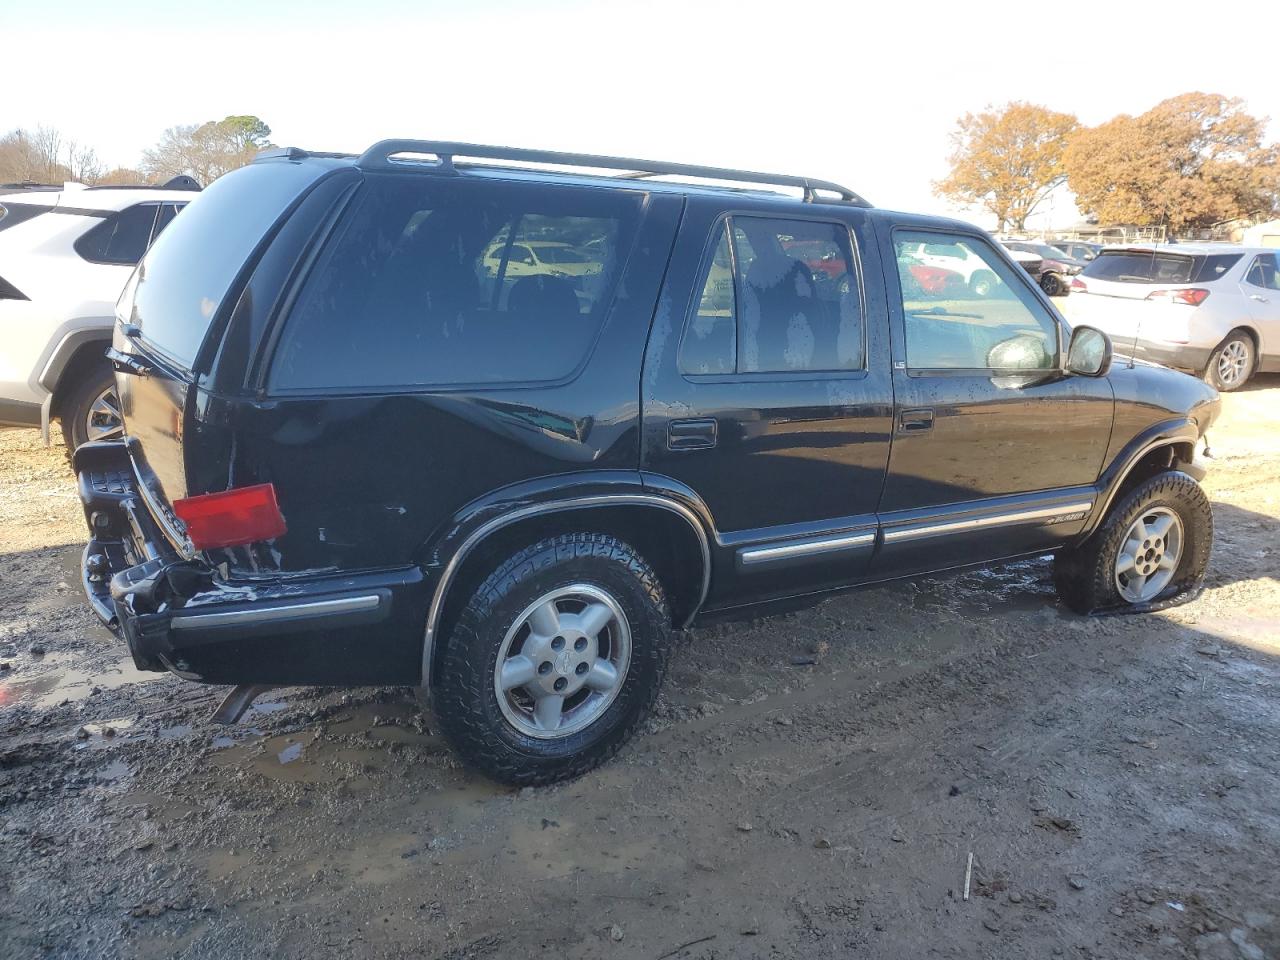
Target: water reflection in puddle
[56,677]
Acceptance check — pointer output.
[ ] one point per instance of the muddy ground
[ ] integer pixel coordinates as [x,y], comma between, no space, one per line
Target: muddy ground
[1117,780]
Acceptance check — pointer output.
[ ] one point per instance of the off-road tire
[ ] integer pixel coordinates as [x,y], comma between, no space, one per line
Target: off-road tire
[1211,371]
[465,701]
[74,404]
[1085,575]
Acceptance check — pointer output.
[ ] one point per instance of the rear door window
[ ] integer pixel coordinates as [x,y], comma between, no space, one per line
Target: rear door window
[121,238]
[435,282]
[776,296]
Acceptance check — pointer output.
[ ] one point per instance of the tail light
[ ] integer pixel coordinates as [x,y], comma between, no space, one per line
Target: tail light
[9,292]
[1080,285]
[1192,296]
[232,517]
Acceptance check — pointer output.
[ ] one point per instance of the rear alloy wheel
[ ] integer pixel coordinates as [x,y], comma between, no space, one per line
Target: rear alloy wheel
[555,660]
[1231,365]
[91,410]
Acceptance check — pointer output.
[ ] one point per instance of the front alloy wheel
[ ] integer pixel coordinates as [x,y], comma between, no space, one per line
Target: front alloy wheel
[1150,551]
[1149,554]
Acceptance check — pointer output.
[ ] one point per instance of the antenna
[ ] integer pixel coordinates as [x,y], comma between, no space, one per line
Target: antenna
[1137,327]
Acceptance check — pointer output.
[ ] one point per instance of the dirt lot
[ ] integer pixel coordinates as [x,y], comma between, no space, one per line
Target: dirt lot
[1115,779]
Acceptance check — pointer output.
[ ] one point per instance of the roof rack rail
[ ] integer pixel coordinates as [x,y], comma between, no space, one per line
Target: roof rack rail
[180,182]
[379,156]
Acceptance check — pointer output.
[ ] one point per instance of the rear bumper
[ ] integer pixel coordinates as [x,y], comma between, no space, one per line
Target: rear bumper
[1179,356]
[182,615]
[19,413]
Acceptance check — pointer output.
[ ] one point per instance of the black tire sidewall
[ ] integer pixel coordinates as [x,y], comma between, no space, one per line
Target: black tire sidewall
[466,701]
[1177,492]
[74,408]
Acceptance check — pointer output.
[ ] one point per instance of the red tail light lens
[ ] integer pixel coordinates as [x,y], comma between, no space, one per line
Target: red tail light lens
[1191,296]
[231,518]
[1078,284]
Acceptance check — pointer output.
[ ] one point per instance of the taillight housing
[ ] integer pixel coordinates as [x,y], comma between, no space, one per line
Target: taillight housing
[1080,285]
[232,517]
[1192,296]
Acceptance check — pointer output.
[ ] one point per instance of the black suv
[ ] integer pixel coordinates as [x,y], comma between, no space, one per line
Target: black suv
[499,431]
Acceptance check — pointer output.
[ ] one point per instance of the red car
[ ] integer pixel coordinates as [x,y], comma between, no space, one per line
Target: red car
[935,280]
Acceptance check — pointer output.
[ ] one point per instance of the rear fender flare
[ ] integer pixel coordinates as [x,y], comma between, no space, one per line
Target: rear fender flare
[474,524]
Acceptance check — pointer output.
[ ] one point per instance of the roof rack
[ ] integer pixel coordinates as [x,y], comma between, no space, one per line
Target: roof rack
[379,156]
[180,182]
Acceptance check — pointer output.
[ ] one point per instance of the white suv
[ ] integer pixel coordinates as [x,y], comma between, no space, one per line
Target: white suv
[1212,309]
[65,254]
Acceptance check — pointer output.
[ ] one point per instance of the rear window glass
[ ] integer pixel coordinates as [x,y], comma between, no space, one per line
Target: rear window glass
[183,279]
[1140,266]
[435,282]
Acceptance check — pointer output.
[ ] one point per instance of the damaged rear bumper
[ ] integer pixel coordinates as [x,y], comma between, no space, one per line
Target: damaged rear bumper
[180,614]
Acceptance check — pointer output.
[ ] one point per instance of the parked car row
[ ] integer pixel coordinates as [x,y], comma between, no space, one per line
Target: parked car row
[379,432]
[65,254]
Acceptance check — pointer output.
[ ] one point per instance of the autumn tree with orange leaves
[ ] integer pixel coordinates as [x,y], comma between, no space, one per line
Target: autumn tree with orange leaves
[1007,160]
[1190,161]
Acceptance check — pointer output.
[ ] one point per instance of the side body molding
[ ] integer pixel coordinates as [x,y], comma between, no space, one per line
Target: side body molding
[560,505]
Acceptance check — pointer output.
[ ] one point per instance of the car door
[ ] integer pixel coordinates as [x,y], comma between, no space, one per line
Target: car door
[995,450]
[1261,287]
[766,393]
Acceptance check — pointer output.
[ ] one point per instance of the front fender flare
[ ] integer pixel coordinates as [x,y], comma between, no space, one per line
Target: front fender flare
[1164,434]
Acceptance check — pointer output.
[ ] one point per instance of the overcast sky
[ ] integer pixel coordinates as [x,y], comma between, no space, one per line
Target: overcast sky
[864,95]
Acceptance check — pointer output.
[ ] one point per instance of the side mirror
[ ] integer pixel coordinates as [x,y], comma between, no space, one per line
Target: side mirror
[1089,354]
[1089,255]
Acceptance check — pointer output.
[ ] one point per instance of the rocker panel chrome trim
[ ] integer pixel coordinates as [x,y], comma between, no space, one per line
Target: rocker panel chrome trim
[1064,511]
[557,506]
[808,547]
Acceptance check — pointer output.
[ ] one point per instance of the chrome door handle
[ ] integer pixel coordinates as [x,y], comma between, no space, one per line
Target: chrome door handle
[915,421]
[1260,299]
[691,434]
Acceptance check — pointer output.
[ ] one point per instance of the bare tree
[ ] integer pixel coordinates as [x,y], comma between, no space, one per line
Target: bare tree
[83,165]
[206,151]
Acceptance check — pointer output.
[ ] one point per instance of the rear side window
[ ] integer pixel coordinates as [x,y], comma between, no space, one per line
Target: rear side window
[121,238]
[12,214]
[1263,273]
[436,282]
[167,212]
[776,296]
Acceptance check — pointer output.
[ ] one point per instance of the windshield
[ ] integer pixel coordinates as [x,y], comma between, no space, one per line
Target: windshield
[174,294]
